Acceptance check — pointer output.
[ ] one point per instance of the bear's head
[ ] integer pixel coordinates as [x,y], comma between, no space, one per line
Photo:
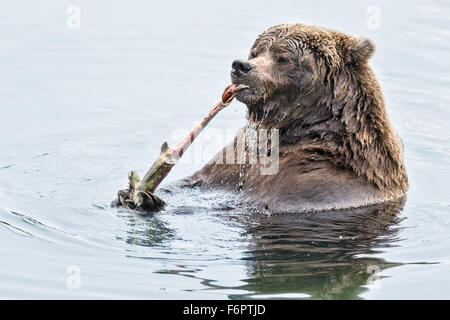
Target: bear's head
[316,86]
[294,67]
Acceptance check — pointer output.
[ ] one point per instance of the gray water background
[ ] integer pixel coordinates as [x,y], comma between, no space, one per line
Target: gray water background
[80,108]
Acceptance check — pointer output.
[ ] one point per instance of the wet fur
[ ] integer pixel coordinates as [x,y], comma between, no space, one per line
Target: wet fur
[338,148]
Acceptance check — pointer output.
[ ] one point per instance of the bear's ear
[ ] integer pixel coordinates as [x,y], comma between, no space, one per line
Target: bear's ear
[361,49]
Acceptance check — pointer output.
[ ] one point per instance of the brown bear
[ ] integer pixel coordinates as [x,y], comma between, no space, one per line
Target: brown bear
[336,147]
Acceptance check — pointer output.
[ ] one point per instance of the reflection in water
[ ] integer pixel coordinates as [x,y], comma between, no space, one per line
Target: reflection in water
[324,255]
[145,230]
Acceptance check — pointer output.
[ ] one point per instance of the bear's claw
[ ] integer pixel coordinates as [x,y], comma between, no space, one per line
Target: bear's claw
[138,200]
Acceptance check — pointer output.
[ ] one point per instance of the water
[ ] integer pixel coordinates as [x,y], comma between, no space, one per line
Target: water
[80,108]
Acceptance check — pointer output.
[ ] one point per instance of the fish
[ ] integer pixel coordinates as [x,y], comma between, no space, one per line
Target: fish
[139,195]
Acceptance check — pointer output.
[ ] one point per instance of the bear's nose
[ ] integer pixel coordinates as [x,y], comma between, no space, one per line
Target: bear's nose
[240,68]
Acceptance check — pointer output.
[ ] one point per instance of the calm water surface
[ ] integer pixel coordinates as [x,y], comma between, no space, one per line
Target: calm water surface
[80,108]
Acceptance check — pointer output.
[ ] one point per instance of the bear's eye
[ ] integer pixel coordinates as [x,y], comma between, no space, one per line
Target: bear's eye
[282,60]
[252,55]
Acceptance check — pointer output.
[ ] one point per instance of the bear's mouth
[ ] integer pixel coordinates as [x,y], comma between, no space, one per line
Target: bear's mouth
[244,93]
[251,95]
